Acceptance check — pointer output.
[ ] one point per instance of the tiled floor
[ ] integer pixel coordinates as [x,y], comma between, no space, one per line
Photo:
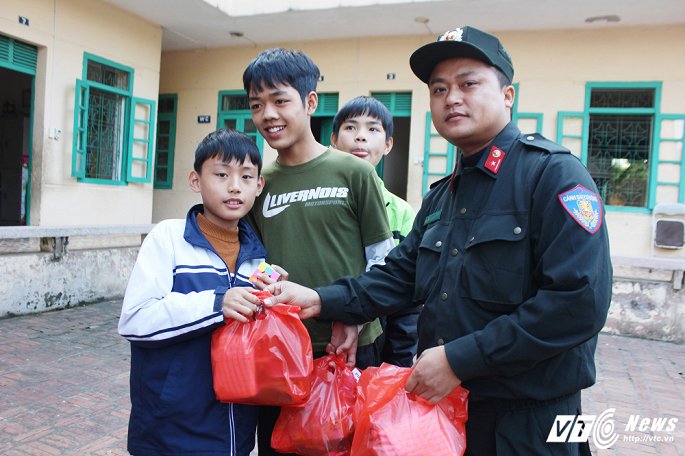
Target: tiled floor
[64,387]
[644,381]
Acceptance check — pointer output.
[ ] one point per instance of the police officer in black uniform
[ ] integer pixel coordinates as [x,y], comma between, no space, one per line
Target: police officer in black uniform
[509,256]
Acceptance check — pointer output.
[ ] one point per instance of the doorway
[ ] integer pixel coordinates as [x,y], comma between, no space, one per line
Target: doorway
[322,119]
[394,167]
[16,100]
[396,163]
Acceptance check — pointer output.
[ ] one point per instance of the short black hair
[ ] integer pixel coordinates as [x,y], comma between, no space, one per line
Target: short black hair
[281,66]
[230,145]
[501,77]
[504,82]
[364,106]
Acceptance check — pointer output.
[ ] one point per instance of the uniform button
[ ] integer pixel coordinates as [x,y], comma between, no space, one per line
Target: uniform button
[438,244]
[462,210]
[443,296]
[454,252]
[441,341]
[530,138]
[517,230]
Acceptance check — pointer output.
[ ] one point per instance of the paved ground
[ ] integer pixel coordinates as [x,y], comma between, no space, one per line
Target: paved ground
[64,388]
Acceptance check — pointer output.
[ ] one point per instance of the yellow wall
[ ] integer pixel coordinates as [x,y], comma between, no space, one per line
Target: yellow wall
[552,68]
[63,30]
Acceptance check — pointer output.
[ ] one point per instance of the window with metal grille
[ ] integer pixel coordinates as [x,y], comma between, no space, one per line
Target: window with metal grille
[113,131]
[234,102]
[620,135]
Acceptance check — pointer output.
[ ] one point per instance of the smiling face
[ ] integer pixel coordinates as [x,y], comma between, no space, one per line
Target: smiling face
[281,117]
[228,190]
[363,136]
[469,106]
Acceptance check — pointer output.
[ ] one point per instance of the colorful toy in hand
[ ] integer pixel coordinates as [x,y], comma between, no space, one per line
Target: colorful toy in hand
[264,268]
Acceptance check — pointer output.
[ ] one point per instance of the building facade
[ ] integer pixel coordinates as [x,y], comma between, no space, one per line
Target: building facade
[615,97]
[99,123]
[80,79]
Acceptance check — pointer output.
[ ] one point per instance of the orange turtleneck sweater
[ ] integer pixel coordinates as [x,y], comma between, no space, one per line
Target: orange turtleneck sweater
[226,243]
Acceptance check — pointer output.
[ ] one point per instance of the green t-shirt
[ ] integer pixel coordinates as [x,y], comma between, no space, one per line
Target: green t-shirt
[315,220]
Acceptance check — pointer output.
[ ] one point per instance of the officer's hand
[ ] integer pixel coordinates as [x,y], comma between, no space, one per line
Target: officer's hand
[296,295]
[344,340]
[432,378]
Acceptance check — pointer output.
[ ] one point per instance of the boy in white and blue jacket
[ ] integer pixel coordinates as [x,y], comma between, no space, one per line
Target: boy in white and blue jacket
[191,274]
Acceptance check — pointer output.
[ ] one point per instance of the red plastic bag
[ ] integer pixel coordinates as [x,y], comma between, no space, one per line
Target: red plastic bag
[267,361]
[393,421]
[325,423]
[362,388]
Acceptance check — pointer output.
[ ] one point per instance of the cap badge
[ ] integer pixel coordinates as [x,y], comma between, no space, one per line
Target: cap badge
[452,35]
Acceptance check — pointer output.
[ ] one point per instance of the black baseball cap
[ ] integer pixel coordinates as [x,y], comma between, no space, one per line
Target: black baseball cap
[461,42]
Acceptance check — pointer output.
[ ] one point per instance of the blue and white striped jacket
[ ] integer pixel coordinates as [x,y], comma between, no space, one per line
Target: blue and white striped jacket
[172,305]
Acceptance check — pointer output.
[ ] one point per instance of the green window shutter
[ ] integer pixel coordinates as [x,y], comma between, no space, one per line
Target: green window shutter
[241,121]
[572,134]
[80,137]
[522,119]
[438,156]
[326,129]
[669,154]
[18,56]
[234,113]
[402,106]
[25,55]
[398,103]
[328,104]
[141,130]
[384,97]
[165,144]
[5,48]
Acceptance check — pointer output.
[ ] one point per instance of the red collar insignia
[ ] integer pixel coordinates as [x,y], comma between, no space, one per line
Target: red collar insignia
[494,160]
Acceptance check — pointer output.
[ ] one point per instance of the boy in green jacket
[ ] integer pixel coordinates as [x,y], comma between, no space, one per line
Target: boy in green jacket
[363,127]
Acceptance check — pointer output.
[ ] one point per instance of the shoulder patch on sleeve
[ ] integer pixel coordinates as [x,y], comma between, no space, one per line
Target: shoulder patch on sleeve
[584,206]
[538,141]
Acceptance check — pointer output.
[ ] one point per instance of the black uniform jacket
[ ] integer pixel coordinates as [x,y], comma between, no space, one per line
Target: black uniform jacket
[513,285]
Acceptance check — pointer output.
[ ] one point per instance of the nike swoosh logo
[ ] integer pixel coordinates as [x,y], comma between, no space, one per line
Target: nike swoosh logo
[268,213]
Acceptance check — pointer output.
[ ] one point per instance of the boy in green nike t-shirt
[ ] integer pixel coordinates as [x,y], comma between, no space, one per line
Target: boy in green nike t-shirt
[321,214]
